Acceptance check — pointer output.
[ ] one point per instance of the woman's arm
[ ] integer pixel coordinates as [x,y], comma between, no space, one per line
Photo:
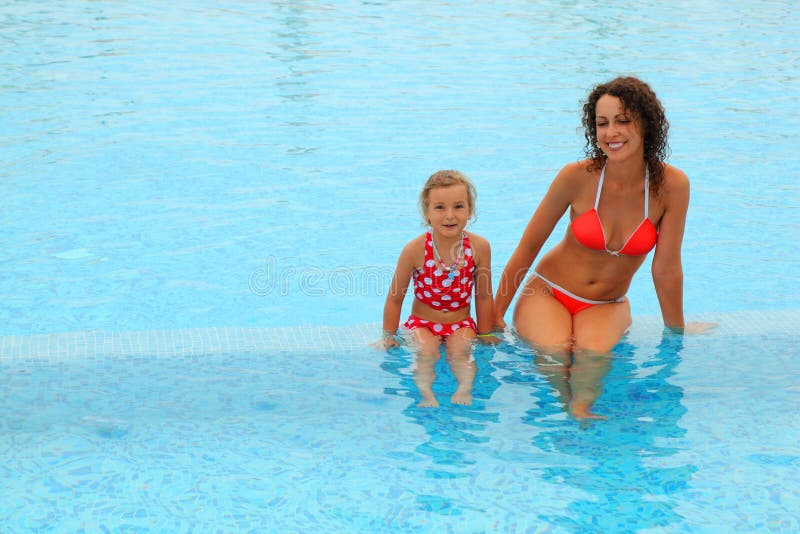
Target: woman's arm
[552,207]
[667,266]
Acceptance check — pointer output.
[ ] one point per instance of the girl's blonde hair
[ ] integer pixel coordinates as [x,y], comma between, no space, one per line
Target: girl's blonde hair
[447,178]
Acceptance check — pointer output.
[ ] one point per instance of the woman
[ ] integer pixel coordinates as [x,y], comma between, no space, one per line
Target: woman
[624,200]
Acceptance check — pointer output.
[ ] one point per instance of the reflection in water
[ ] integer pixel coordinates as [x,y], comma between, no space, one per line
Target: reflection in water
[452,430]
[631,472]
[577,378]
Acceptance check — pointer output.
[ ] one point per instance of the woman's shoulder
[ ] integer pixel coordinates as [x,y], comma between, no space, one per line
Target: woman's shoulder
[573,179]
[675,180]
[576,171]
[582,167]
[674,174]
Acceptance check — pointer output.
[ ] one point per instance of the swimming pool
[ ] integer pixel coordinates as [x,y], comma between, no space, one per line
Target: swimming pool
[245,430]
[202,209]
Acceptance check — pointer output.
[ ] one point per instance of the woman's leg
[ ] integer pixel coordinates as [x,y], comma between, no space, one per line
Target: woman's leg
[427,354]
[555,367]
[600,327]
[458,347]
[541,320]
[546,325]
[586,382]
[597,330]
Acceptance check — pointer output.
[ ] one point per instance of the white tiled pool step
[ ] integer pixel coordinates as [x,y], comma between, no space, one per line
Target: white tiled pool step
[199,341]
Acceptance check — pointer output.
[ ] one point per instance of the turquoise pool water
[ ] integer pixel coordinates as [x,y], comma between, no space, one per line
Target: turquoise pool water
[302,430]
[202,208]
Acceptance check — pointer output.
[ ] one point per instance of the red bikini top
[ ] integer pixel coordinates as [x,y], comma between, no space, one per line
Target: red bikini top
[442,287]
[588,229]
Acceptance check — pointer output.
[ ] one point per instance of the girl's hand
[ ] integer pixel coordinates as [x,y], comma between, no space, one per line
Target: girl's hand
[385,343]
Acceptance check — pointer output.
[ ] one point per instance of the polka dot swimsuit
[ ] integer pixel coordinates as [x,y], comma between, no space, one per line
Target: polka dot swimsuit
[440,329]
[443,290]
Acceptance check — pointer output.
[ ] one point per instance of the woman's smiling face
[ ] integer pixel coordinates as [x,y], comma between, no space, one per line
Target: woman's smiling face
[619,134]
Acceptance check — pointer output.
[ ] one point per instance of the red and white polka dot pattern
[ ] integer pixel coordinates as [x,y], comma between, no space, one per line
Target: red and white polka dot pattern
[440,329]
[434,285]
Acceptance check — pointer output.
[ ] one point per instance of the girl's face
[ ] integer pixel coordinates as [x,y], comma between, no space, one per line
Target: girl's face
[448,210]
[618,134]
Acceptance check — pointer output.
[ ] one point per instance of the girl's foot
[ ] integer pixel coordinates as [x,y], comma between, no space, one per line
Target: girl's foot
[428,401]
[462,397]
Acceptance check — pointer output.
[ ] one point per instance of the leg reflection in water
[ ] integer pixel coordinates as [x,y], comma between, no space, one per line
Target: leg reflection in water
[576,376]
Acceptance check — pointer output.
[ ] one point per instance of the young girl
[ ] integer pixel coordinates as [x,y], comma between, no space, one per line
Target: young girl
[446,264]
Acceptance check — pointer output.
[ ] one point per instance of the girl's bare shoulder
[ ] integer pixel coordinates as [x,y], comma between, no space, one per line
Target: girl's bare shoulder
[476,240]
[480,246]
[414,250]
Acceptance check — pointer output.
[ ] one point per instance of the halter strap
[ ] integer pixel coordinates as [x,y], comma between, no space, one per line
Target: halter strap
[646,190]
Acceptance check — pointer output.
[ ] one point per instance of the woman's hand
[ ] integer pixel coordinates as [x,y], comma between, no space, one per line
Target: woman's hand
[694,328]
[699,328]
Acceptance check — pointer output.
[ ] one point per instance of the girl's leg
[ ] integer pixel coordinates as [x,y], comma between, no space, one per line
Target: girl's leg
[427,354]
[458,347]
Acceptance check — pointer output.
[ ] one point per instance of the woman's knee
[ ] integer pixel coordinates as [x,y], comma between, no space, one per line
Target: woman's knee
[543,322]
[600,328]
[545,335]
[596,340]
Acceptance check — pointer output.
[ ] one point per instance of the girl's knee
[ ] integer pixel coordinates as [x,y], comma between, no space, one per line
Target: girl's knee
[429,352]
[428,349]
[462,356]
[460,341]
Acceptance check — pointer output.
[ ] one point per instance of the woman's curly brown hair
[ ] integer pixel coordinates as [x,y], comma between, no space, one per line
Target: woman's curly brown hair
[641,102]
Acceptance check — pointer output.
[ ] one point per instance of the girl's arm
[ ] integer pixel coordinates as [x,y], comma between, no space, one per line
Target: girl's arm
[484,302]
[397,290]
[552,207]
[667,267]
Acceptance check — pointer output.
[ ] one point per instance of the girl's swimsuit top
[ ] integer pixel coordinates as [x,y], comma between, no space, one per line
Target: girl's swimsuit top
[441,287]
[588,229]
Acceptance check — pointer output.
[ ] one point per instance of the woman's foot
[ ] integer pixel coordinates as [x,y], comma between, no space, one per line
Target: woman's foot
[582,410]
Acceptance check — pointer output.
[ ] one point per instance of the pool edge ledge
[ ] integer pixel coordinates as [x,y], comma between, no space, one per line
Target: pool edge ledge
[221,340]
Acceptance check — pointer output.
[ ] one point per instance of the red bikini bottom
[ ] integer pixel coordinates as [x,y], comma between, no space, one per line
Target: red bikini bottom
[572,302]
[440,329]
